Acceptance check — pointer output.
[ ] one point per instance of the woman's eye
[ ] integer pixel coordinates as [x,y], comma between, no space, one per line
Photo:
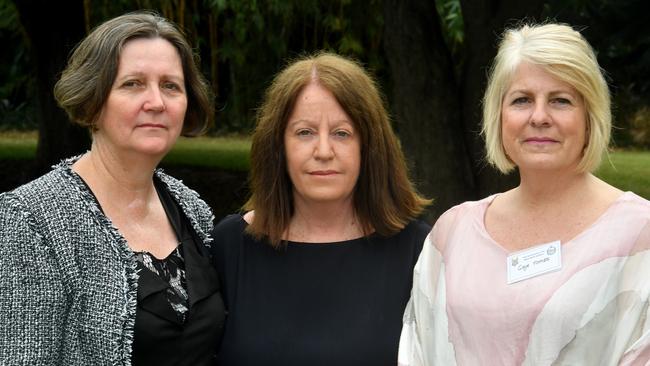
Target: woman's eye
[303,132]
[563,101]
[131,83]
[171,86]
[341,133]
[520,100]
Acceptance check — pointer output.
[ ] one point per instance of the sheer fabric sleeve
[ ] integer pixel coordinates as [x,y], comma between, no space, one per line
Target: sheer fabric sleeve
[639,352]
[32,309]
[424,339]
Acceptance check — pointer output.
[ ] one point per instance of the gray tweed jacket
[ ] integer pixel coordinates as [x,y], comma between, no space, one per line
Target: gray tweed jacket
[68,280]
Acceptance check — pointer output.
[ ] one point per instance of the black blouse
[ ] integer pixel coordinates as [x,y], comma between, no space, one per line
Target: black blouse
[164,335]
[314,304]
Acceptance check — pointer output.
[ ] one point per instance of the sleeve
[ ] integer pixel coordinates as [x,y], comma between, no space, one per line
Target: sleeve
[31,304]
[225,250]
[424,338]
[639,353]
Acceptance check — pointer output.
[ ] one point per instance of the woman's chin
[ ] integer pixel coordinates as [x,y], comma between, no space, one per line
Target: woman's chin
[153,150]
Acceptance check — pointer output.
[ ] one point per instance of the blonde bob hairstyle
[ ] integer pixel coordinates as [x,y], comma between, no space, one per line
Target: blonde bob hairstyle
[565,54]
[385,200]
[87,80]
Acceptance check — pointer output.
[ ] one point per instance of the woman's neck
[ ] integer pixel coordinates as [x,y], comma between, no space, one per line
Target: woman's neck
[547,207]
[542,191]
[541,188]
[316,222]
[117,180]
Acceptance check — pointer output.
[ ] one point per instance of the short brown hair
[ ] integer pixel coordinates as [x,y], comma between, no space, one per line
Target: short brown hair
[88,77]
[384,197]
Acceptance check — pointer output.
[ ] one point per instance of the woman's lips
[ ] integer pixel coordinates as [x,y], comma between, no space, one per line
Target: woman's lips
[540,140]
[152,125]
[323,172]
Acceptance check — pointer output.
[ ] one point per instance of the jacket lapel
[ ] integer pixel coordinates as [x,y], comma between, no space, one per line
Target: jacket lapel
[201,277]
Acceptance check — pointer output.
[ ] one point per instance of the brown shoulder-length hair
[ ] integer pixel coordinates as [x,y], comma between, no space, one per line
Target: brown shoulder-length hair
[385,199]
[88,77]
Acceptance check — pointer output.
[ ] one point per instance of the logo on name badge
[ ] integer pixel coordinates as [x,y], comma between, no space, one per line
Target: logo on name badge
[551,250]
[515,261]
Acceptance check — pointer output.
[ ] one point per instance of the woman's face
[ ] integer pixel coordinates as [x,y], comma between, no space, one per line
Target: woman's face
[322,147]
[543,121]
[146,106]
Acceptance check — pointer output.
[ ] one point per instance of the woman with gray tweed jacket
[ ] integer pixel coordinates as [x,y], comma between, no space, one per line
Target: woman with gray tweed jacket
[104,260]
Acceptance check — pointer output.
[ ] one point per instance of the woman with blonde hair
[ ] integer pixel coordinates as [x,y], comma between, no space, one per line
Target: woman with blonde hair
[319,269]
[554,271]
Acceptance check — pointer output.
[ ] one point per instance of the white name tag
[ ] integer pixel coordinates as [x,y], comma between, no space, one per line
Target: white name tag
[534,261]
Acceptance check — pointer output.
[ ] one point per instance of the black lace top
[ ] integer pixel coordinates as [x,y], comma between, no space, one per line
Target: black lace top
[172,270]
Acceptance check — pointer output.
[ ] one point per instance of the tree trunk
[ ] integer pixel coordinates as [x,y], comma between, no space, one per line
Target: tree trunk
[484,21]
[438,118]
[53,28]
[426,103]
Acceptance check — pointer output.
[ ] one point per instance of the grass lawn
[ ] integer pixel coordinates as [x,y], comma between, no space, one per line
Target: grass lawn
[229,153]
[628,170]
[17,145]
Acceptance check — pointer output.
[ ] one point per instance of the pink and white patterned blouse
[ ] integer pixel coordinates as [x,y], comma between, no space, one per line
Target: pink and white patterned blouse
[593,311]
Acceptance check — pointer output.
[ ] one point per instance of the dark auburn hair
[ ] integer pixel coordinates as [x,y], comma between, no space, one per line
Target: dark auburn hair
[385,199]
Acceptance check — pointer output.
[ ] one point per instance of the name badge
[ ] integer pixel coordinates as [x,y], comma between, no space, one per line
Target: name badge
[534,261]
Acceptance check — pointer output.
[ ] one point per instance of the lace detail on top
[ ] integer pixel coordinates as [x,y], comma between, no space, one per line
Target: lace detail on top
[171,270]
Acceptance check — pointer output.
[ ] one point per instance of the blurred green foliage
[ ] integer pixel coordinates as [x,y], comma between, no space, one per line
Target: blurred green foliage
[451,16]
[243,43]
[16,79]
[256,38]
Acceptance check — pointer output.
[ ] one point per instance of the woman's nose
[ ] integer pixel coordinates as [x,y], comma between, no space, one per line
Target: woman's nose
[154,101]
[540,115]
[324,148]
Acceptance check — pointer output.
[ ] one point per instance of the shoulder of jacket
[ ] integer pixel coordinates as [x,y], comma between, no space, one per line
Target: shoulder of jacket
[51,189]
[197,211]
[176,186]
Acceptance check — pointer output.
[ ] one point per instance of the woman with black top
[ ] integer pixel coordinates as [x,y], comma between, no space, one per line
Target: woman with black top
[104,260]
[318,271]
